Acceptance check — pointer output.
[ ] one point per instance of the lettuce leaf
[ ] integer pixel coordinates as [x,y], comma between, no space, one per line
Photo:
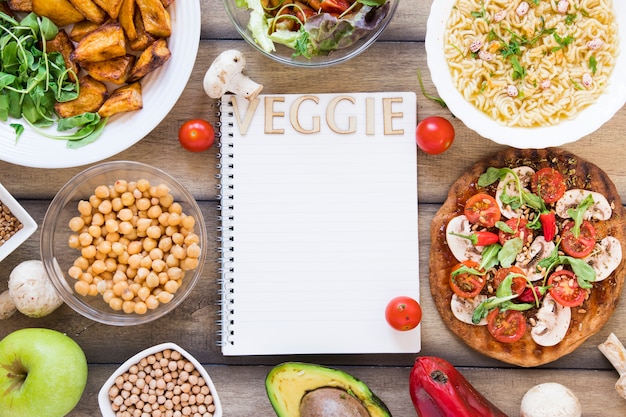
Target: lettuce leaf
[258,24]
[327,33]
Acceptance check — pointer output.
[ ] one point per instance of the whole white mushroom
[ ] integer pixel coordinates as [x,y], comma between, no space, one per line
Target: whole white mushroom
[31,291]
[226,75]
[550,399]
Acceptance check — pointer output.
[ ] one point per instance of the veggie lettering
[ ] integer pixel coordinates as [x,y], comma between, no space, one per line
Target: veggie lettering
[341,115]
[438,390]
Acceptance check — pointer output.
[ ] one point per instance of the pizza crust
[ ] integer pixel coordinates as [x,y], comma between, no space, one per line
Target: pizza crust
[604,296]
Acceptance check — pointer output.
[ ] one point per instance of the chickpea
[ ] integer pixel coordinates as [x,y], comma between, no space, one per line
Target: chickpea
[81,262]
[143,204]
[88,252]
[154,212]
[84,208]
[97,219]
[116,204]
[115,303]
[73,241]
[75,272]
[128,307]
[76,223]
[102,191]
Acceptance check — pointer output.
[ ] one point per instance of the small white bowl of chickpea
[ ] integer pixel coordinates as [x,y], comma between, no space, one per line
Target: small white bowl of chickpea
[163,380]
[123,242]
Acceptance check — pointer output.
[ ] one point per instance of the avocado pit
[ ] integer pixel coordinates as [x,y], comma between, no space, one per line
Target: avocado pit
[331,402]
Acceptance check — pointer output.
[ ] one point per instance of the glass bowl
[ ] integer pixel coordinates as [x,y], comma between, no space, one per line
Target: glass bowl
[60,260]
[240,17]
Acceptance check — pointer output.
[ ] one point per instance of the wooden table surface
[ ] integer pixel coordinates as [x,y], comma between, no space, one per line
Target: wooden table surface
[391,64]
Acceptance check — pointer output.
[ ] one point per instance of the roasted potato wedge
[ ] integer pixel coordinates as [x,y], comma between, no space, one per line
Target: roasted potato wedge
[112,7]
[61,12]
[4,8]
[63,44]
[90,10]
[150,59]
[92,95]
[144,39]
[124,99]
[106,42]
[20,5]
[156,20]
[80,29]
[115,70]
[126,18]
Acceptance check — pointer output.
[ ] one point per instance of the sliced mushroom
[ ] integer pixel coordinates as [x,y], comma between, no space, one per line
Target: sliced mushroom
[463,308]
[606,257]
[529,259]
[508,186]
[600,209]
[553,322]
[462,248]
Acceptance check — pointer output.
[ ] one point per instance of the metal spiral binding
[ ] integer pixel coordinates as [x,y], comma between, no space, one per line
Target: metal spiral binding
[226,229]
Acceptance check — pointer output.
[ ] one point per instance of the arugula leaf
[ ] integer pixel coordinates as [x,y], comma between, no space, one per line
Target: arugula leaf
[372,3]
[431,97]
[509,251]
[490,256]
[578,214]
[585,274]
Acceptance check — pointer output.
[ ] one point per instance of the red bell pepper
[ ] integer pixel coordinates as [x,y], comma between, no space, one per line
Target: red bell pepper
[438,390]
[548,224]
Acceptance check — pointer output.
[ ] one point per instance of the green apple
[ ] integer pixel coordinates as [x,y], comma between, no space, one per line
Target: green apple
[42,373]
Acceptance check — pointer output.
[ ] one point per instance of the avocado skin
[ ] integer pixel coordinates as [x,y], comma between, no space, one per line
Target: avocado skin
[288,382]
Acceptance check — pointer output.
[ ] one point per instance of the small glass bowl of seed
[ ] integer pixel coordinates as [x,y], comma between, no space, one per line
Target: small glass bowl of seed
[161,381]
[16,225]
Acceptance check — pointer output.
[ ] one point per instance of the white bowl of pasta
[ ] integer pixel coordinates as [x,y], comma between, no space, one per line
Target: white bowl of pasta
[529,75]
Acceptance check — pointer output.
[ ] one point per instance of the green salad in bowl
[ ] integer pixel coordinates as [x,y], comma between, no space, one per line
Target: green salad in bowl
[311,32]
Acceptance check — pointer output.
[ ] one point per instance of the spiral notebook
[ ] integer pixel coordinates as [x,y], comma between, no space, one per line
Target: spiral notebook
[319,222]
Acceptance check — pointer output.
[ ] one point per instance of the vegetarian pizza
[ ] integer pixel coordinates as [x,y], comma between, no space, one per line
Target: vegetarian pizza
[526,257]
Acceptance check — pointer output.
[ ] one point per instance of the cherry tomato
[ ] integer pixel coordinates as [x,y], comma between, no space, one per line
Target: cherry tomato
[465,284]
[518,225]
[403,313]
[506,327]
[549,184]
[565,289]
[434,135]
[482,209]
[519,283]
[581,246]
[196,135]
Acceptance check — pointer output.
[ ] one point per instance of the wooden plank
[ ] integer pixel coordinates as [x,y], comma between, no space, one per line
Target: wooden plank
[242,391]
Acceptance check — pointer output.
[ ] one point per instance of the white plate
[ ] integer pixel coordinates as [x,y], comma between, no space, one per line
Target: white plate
[161,89]
[587,121]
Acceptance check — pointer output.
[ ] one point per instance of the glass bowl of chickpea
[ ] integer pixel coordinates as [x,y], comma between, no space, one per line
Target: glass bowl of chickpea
[123,243]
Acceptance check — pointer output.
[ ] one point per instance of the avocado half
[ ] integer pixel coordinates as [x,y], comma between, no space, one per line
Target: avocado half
[286,385]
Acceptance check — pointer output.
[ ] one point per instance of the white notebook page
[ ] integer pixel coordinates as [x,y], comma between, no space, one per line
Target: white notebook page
[324,229]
